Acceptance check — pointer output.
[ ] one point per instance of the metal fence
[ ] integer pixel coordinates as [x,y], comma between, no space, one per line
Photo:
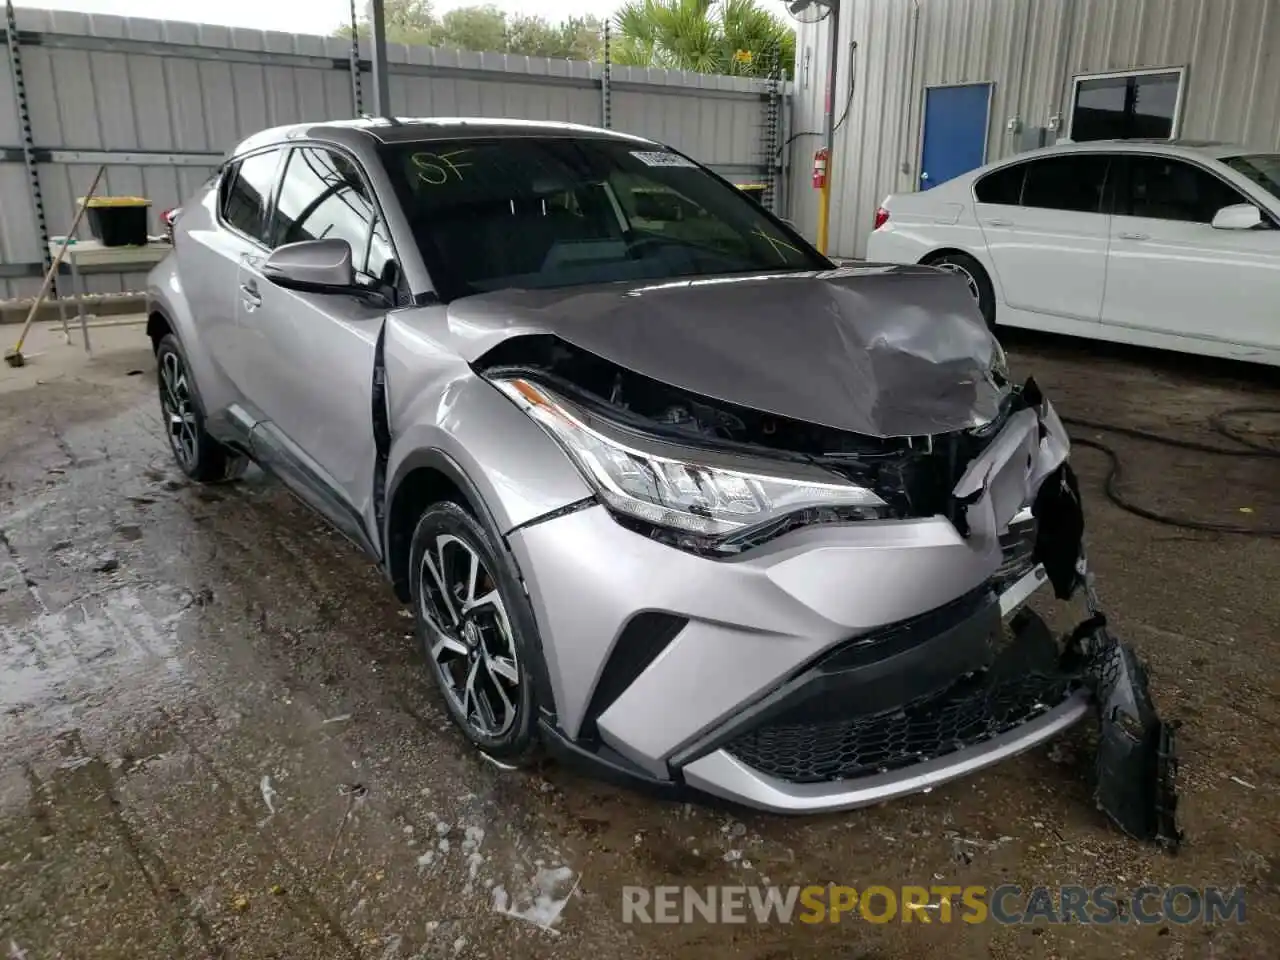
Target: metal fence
[160,102]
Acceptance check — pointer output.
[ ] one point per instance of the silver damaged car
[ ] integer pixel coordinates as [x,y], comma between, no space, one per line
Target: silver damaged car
[669,491]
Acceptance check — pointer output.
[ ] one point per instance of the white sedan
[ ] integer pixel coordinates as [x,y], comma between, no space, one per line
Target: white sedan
[1169,244]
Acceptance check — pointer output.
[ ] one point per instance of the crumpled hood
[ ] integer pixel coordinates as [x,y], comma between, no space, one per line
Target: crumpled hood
[879,350]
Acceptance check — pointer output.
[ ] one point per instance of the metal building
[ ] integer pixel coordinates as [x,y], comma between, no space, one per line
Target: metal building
[927,89]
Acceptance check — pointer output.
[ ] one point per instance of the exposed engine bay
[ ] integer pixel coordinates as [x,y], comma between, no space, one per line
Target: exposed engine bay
[913,475]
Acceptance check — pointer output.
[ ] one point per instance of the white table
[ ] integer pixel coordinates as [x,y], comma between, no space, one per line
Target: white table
[99,259]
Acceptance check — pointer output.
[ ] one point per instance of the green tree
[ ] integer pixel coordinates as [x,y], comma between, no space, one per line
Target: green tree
[474,28]
[577,38]
[485,28]
[408,21]
[709,36]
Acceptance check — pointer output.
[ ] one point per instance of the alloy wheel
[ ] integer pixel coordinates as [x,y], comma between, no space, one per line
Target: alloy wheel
[969,278]
[472,647]
[179,410]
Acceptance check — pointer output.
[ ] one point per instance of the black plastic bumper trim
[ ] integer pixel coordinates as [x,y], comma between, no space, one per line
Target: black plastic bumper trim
[878,671]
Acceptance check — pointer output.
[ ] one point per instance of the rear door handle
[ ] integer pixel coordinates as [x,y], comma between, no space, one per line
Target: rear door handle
[1135,236]
[252,299]
[999,222]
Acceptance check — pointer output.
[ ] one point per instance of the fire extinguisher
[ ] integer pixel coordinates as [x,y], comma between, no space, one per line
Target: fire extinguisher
[820,168]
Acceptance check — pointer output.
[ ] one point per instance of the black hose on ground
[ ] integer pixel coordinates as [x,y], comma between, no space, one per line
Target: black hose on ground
[1249,448]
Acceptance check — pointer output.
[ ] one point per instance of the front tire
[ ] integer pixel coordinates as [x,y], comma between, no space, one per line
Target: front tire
[475,627]
[972,272]
[198,455]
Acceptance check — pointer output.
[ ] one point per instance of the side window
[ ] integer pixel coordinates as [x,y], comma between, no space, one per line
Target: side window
[322,196]
[1072,182]
[245,193]
[1162,188]
[1003,186]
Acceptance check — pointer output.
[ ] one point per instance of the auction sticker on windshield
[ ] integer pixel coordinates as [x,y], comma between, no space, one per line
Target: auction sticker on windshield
[660,158]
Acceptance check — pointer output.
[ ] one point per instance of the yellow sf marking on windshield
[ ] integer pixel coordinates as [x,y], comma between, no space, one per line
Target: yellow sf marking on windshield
[436,168]
[776,243]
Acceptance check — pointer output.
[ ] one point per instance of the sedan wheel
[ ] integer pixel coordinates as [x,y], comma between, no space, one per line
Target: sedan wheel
[969,278]
[975,278]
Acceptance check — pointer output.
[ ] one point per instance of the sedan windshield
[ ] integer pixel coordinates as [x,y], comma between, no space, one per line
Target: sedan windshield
[1262,168]
[490,214]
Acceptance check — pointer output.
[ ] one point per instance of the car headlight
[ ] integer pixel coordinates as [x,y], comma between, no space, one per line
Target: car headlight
[700,492]
[999,362]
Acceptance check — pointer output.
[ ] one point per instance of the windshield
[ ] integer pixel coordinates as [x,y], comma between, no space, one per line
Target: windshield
[1262,168]
[489,214]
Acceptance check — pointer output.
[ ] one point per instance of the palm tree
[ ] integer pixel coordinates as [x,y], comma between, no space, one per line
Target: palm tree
[709,36]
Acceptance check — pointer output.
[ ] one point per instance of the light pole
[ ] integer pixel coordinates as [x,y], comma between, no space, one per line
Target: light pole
[832,7]
[381,84]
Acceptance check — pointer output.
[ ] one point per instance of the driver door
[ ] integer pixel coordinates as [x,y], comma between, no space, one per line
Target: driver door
[310,356]
[1170,271]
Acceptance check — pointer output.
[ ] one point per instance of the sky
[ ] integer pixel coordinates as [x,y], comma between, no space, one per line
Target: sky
[296,16]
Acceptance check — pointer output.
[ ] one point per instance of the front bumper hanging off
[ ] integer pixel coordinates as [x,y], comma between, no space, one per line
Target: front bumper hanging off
[1135,767]
[803,677]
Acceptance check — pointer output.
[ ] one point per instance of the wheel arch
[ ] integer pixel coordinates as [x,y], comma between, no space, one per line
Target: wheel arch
[422,478]
[984,264]
[980,257]
[158,327]
[949,251]
[429,475]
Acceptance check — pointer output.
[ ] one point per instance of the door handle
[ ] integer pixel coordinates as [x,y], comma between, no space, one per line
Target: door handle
[999,222]
[252,299]
[1135,236]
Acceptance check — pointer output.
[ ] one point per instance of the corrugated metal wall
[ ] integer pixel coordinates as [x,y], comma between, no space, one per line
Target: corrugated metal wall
[168,99]
[1029,50]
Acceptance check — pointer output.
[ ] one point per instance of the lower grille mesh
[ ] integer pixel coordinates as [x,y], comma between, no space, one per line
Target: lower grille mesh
[967,714]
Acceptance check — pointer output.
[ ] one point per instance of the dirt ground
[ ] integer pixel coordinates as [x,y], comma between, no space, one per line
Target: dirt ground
[217,738]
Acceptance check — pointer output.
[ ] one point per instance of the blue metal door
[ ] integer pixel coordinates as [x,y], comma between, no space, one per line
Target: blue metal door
[955,132]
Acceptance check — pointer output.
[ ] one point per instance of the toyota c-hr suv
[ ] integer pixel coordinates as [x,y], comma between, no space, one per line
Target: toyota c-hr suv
[667,490]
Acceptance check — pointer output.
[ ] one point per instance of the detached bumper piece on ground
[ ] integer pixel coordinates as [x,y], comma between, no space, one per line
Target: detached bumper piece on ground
[1136,765]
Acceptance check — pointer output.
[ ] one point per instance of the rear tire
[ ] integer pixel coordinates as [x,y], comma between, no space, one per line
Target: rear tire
[198,455]
[476,627]
[972,272]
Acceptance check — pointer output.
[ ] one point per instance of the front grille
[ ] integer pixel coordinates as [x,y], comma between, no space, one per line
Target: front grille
[967,714]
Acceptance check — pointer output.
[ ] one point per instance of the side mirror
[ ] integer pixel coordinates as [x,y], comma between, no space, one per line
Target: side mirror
[1238,216]
[312,266]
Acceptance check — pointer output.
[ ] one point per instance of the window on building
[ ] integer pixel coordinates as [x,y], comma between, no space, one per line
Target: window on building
[1126,106]
[246,188]
[1162,188]
[1068,182]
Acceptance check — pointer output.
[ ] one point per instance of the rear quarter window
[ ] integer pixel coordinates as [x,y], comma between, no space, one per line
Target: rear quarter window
[1002,186]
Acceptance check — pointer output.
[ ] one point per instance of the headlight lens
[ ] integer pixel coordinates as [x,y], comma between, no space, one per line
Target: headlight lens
[999,362]
[671,491]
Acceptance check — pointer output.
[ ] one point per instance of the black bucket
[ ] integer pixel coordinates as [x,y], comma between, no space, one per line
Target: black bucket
[119,221]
